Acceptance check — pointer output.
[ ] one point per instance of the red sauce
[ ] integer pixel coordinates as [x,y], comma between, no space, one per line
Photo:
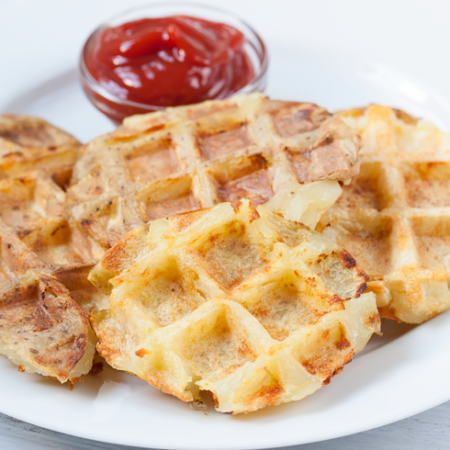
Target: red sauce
[170,61]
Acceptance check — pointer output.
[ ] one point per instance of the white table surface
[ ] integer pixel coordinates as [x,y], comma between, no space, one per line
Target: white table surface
[428,430]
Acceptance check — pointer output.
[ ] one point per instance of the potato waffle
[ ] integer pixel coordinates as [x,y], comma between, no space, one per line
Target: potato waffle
[187,158]
[241,303]
[29,143]
[394,218]
[42,277]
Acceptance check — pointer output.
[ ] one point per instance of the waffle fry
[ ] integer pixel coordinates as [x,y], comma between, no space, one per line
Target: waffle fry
[29,143]
[394,218]
[193,157]
[241,303]
[42,277]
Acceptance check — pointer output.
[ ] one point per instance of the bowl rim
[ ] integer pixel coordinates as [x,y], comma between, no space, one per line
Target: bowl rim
[93,84]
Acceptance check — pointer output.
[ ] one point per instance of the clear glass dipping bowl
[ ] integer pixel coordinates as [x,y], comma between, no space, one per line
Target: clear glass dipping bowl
[116,108]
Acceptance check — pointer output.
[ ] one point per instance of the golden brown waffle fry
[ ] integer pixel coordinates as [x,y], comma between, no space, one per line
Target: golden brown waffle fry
[196,156]
[42,277]
[244,304]
[29,143]
[394,218]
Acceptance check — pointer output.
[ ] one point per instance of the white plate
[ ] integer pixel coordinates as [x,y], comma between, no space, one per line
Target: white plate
[338,54]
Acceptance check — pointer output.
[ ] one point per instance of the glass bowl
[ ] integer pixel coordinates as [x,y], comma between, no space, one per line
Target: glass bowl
[117,108]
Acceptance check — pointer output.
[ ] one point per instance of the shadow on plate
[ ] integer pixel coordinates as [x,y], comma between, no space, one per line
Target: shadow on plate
[391,330]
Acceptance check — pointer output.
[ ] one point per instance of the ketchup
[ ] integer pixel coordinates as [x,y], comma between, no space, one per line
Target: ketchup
[170,61]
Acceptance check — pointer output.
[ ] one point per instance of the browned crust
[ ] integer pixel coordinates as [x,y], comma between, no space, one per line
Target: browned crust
[33,132]
[268,395]
[388,312]
[29,143]
[362,274]
[96,368]
[335,299]
[38,306]
[374,321]
[405,117]
[347,259]
[142,352]
[360,290]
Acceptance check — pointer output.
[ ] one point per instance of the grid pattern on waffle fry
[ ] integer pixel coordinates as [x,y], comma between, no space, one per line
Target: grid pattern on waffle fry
[187,158]
[244,304]
[29,143]
[42,277]
[394,217]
